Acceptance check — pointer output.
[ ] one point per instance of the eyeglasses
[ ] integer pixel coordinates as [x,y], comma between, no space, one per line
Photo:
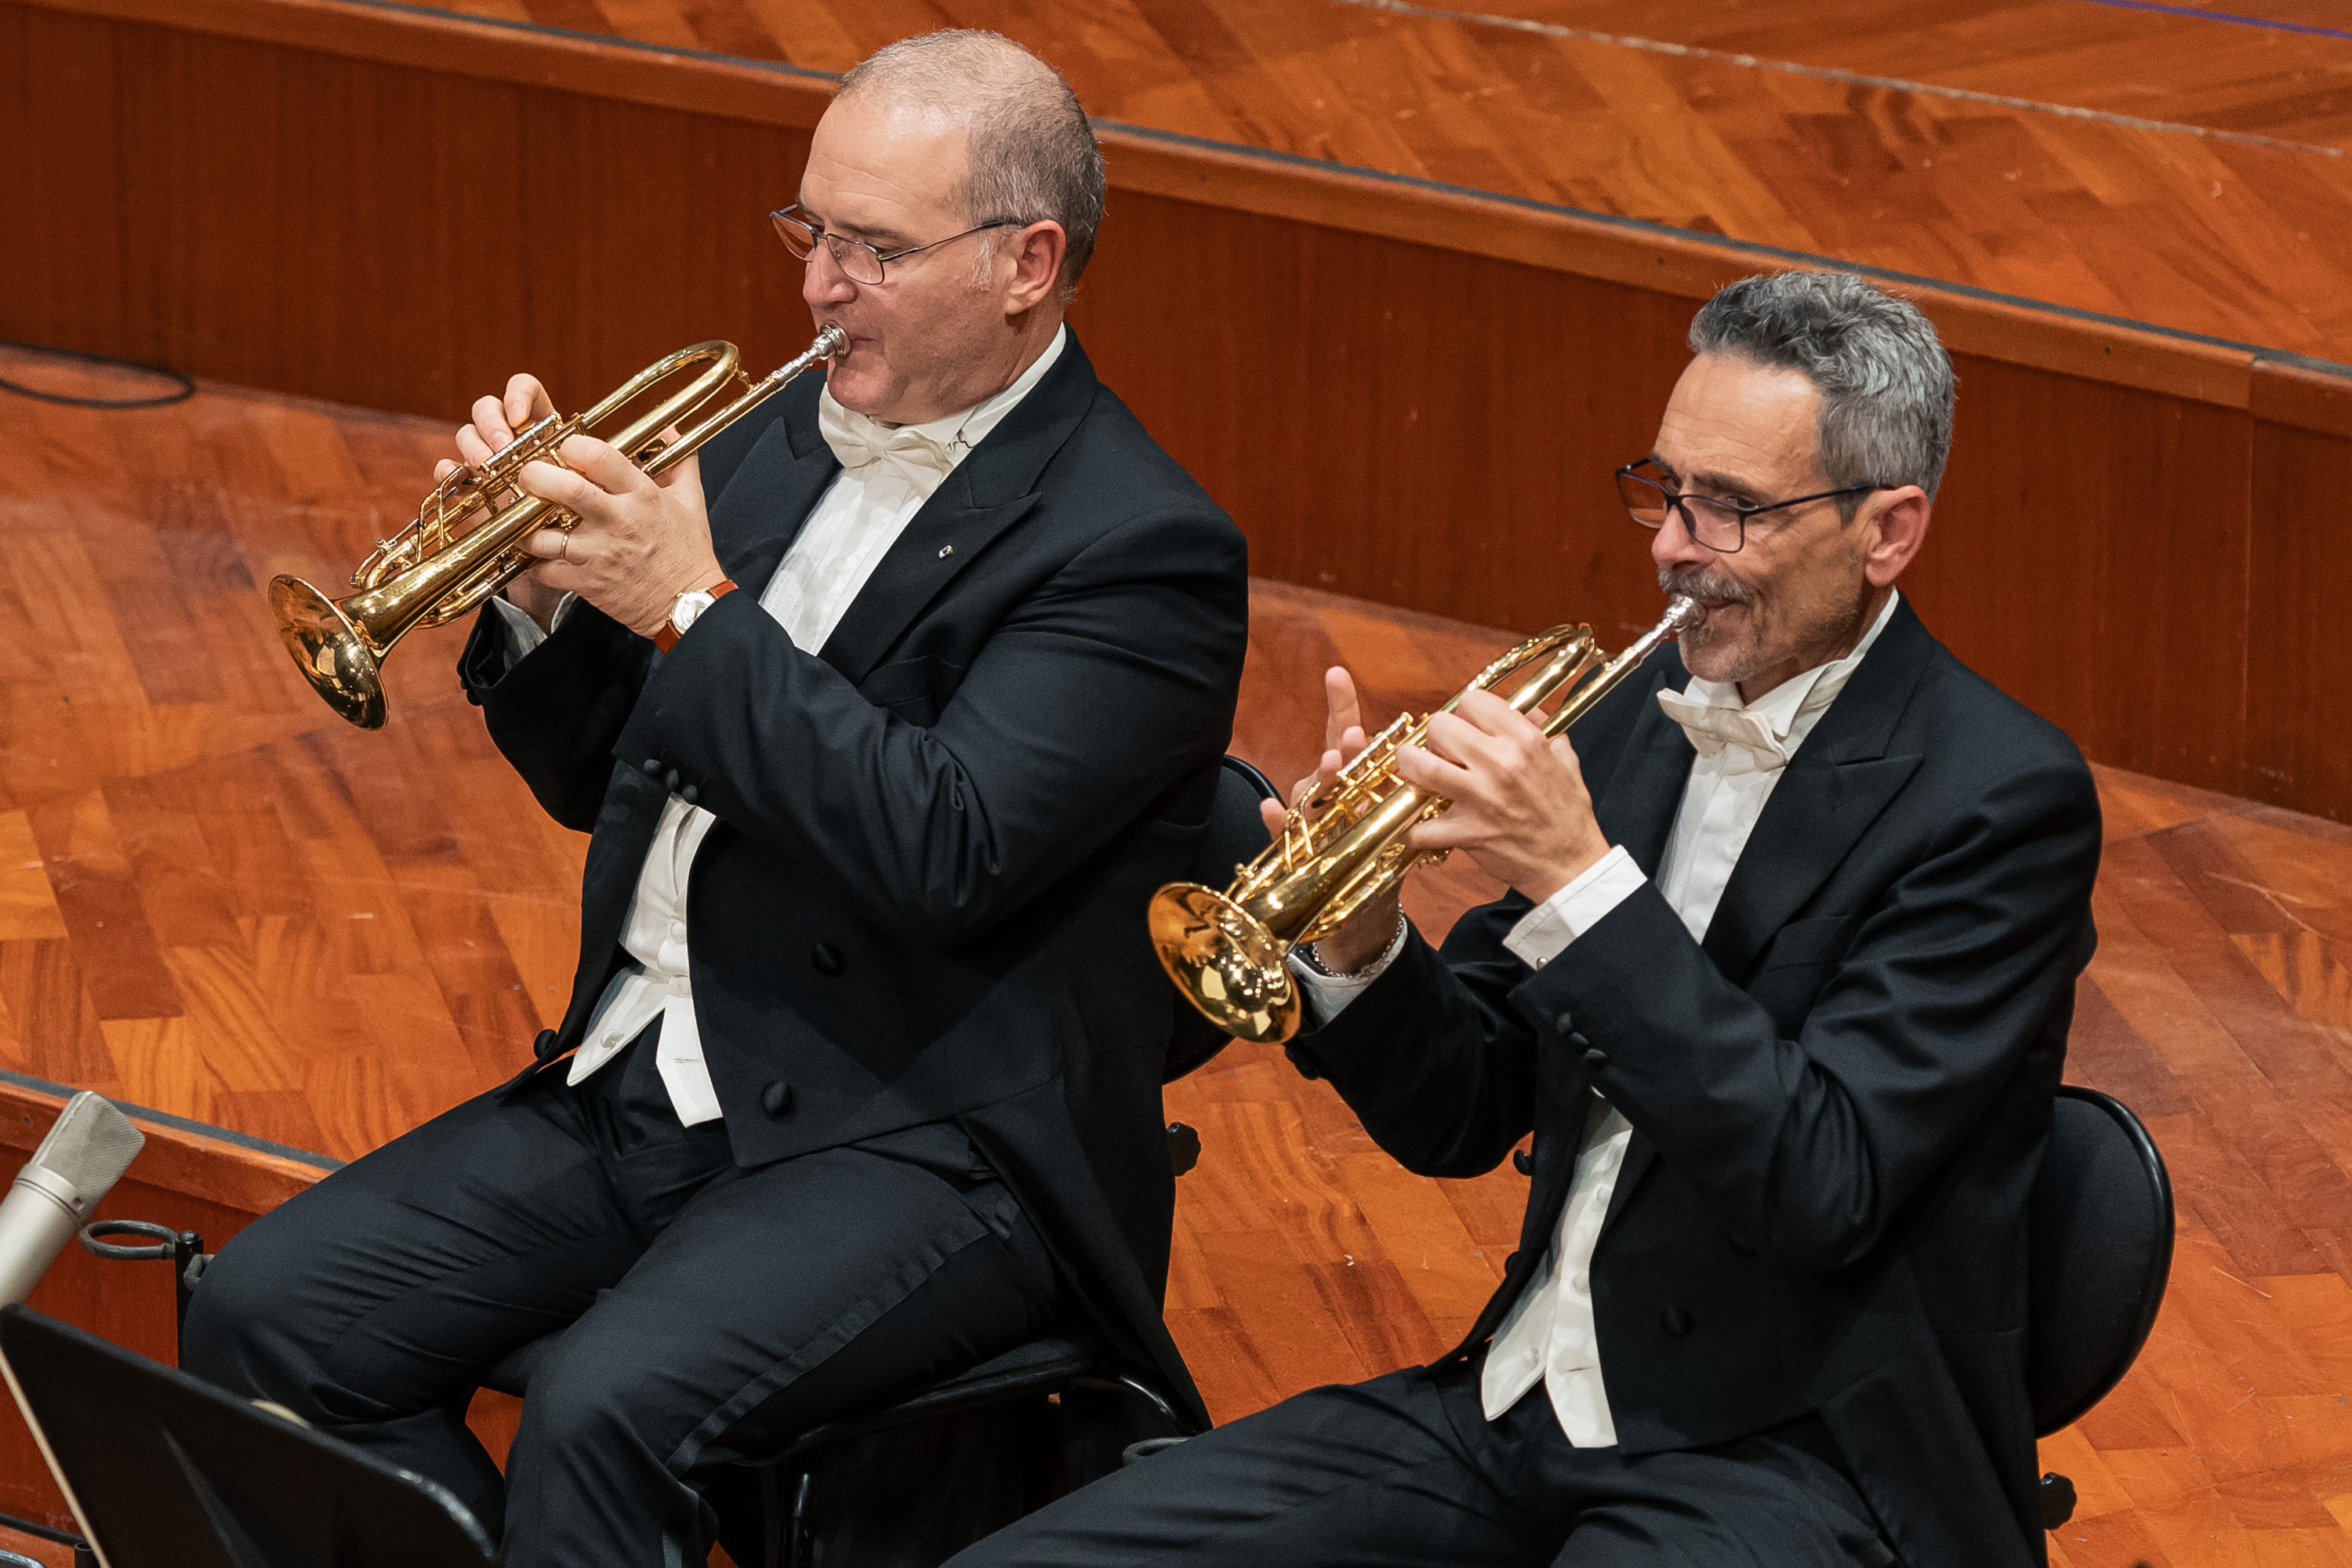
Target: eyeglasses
[859,261]
[1720,525]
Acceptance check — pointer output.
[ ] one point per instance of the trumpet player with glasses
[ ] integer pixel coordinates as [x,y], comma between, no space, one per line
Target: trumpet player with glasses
[1781,987]
[885,715]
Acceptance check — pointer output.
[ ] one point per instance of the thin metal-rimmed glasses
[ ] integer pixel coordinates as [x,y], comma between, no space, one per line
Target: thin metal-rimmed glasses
[859,261]
[1720,525]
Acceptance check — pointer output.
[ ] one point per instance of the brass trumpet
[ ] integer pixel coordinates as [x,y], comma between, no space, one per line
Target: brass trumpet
[1227,952]
[467,541]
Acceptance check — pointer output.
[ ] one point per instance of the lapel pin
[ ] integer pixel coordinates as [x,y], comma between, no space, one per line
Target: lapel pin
[946,551]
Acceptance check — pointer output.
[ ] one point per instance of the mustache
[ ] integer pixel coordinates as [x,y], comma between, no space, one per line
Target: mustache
[1706,586]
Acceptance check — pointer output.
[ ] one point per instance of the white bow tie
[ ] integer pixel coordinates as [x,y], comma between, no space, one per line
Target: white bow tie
[860,442]
[1740,733]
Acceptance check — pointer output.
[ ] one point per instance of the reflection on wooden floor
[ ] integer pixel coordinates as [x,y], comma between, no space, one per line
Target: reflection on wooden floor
[216,900]
[2139,159]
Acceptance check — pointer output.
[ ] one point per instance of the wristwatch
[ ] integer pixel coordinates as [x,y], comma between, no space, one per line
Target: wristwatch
[688,610]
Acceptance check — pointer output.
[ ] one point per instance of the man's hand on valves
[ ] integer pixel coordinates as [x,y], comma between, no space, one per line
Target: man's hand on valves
[1520,809]
[639,544]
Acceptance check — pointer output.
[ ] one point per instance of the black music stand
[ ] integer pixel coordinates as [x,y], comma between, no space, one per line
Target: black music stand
[168,1472]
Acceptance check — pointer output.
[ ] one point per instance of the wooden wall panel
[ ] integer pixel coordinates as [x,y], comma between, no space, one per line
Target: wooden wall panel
[375,234]
[1403,393]
[1389,420]
[2089,555]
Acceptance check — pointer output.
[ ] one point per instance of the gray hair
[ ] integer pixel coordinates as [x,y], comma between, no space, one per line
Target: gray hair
[1886,384]
[1031,150]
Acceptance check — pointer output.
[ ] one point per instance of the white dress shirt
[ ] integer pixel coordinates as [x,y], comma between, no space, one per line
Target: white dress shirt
[888,472]
[1549,1335]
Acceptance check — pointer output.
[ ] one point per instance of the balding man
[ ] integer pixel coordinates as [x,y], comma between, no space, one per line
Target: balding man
[883,753]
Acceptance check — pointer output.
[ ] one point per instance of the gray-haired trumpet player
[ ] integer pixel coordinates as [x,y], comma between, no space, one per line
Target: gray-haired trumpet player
[883,751]
[1781,987]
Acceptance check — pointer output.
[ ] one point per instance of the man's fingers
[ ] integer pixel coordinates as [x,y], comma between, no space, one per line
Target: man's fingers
[548,544]
[1460,742]
[526,402]
[1431,774]
[566,488]
[1342,711]
[491,422]
[1490,712]
[1275,816]
[443,468]
[603,465]
[684,480]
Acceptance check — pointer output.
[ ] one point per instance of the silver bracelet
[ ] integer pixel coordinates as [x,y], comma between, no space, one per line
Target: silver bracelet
[1314,961]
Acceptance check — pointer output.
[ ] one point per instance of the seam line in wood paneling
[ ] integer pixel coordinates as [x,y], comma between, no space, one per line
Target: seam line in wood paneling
[1265,181]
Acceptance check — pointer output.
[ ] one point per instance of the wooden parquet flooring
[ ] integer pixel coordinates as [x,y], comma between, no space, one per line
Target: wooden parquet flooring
[217,900]
[2179,164]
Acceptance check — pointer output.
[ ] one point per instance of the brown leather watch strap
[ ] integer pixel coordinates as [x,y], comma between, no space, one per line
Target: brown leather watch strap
[666,638]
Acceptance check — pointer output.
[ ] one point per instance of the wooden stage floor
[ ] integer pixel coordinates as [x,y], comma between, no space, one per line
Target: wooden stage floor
[2188,166]
[219,901]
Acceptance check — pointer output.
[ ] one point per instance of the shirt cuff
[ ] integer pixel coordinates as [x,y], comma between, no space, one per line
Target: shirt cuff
[1327,994]
[1545,932]
[523,633]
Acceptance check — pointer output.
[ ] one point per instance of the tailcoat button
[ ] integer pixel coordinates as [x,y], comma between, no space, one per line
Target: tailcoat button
[827,959]
[1596,1059]
[1523,1162]
[671,778]
[689,795]
[777,1098]
[651,767]
[1676,1321]
[1576,1037]
[543,1047]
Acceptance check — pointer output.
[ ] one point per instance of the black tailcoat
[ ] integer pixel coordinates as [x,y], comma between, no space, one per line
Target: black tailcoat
[923,901]
[1839,1099]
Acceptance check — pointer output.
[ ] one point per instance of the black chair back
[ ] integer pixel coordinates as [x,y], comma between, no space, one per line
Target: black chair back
[1235,835]
[2101,1250]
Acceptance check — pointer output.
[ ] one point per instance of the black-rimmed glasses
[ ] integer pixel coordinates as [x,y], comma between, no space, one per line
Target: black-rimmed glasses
[859,261]
[1720,525]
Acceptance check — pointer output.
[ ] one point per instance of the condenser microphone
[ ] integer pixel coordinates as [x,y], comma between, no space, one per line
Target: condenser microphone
[59,1188]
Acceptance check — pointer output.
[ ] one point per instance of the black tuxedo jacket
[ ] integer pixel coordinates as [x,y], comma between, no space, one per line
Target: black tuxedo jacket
[1839,1099]
[923,901]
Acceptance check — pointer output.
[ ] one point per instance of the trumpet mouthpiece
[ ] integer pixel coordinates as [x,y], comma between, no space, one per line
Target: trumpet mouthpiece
[1684,613]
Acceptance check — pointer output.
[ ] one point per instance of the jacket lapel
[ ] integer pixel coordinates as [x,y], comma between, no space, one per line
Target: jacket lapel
[1836,786]
[1636,807]
[992,488]
[768,502]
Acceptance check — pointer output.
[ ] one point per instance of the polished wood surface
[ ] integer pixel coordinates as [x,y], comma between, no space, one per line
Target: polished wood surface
[219,903]
[2171,168]
[1406,392]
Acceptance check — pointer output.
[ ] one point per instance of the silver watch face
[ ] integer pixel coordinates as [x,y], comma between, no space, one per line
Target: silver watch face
[690,606]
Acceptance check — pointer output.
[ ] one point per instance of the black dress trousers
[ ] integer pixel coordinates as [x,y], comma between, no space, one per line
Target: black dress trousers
[711,1308]
[1406,1471]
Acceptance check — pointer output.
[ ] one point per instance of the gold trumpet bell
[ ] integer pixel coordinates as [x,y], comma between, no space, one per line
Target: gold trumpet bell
[334,657]
[467,539]
[1226,961]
